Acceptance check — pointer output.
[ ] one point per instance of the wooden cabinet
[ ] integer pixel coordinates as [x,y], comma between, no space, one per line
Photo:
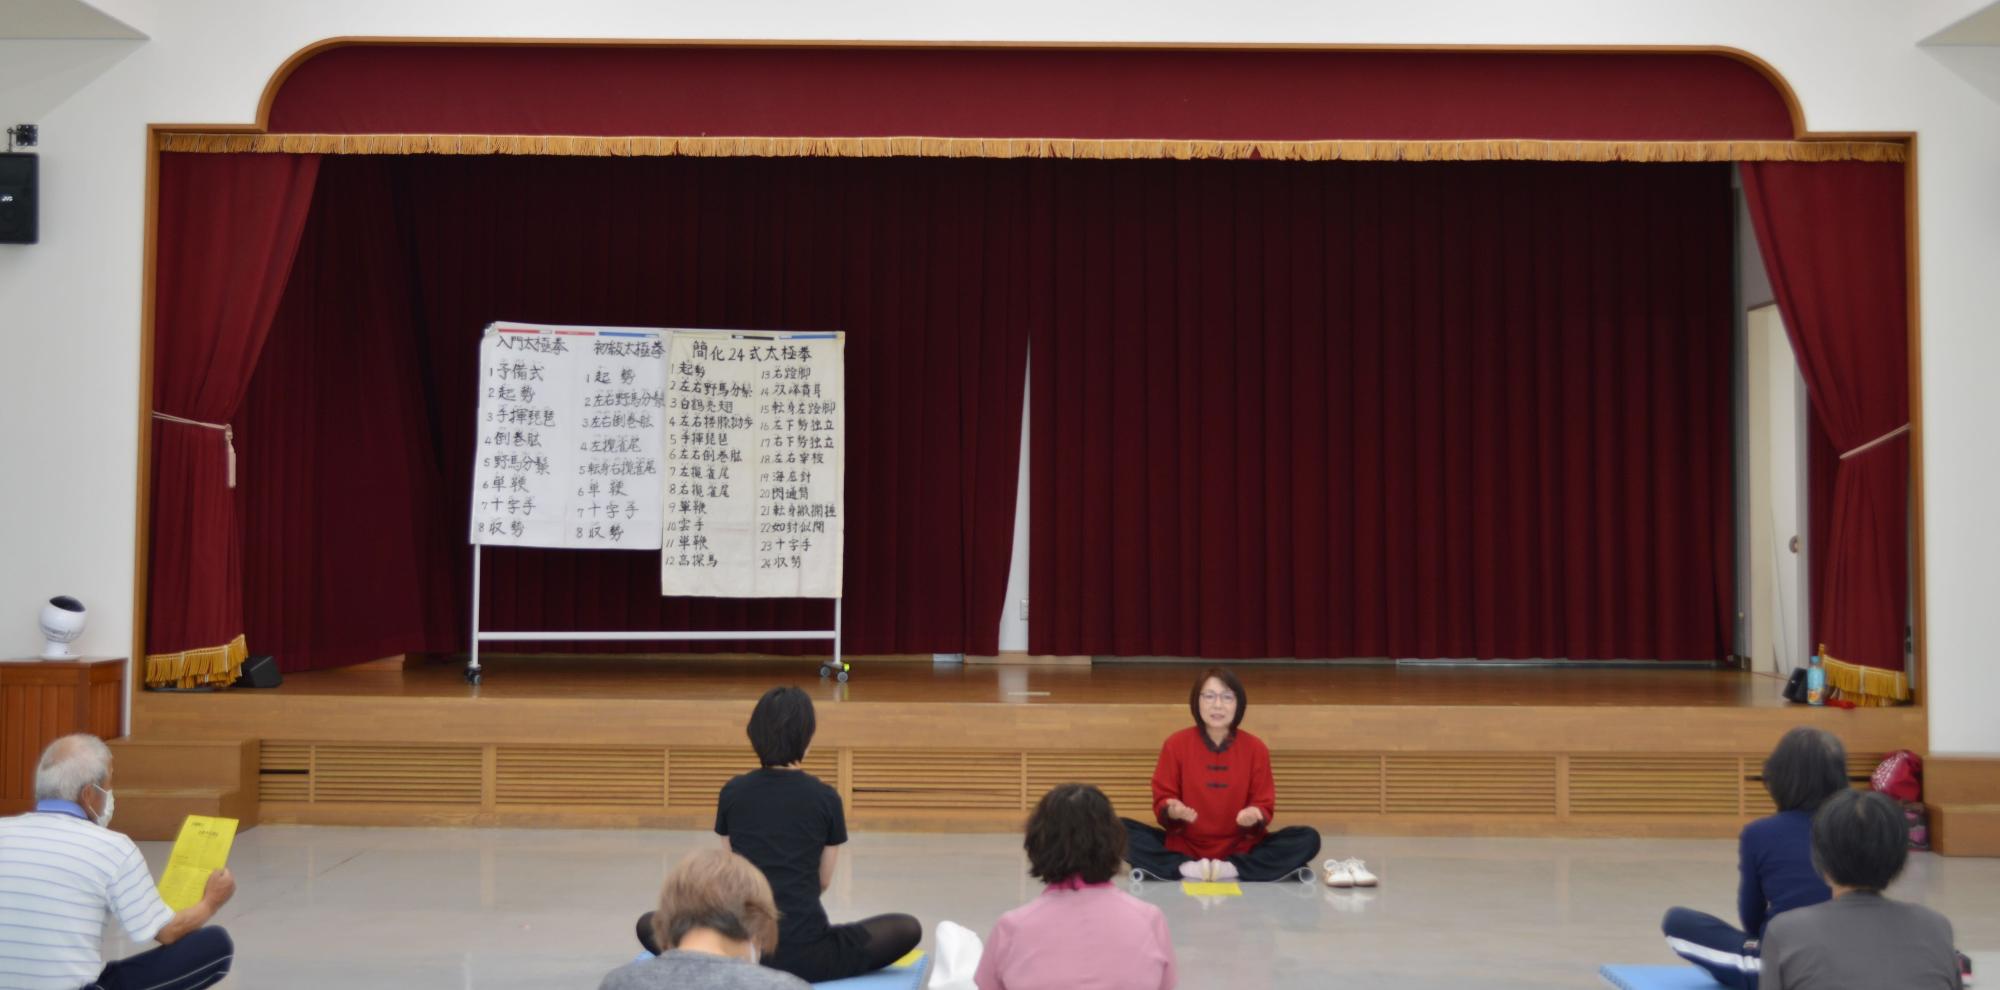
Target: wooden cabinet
[41,700]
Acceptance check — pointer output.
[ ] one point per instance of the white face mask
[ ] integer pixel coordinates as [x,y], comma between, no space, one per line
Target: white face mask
[110,800]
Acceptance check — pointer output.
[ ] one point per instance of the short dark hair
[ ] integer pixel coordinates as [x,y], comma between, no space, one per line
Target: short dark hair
[1806,767]
[1073,833]
[781,726]
[1229,681]
[1860,839]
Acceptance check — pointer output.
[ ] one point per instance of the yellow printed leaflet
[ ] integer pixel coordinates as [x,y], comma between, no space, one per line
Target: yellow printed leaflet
[202,849]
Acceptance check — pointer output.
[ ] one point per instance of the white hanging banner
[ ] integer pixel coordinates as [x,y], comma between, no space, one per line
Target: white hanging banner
[753,472]
[569,437]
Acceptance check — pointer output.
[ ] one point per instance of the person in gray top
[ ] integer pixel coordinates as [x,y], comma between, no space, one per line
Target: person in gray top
[717,920]
[1860,940]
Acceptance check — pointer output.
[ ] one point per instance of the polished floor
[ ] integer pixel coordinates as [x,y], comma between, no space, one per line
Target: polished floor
[500,908]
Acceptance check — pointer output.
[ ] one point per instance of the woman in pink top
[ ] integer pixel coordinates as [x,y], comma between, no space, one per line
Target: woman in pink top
[1081,934]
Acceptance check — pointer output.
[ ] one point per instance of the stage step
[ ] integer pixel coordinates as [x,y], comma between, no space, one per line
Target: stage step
[148,813]
[175,763]
[159,783]
[1966,829]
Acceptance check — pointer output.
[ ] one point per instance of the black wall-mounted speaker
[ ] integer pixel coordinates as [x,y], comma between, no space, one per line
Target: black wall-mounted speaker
[18,173]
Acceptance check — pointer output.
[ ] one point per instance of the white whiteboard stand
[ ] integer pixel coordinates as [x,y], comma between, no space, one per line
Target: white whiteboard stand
[836,667]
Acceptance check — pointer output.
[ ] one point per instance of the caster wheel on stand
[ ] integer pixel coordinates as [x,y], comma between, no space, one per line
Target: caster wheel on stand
[825,670]
[841,677]
[472,677]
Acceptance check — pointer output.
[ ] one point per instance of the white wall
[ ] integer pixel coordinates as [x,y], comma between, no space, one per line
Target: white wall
[1014,614]
[69,307]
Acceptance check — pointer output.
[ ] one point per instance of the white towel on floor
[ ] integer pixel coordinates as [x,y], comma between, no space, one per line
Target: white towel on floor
[956,958]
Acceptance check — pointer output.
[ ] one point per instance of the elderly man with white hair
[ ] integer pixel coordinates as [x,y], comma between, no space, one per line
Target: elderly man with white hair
[62,871]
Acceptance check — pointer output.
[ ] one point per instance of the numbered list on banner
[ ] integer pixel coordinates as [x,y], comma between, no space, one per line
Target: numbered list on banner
[527,392]
[569,438]
[620,409]
[754,467]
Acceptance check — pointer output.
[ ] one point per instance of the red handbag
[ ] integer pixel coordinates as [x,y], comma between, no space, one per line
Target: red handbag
[1900,775]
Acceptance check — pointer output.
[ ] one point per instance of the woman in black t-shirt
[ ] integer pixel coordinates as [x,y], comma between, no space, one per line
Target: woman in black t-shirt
[790,824]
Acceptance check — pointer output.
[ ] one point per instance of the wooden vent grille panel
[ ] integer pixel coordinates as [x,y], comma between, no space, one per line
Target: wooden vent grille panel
[695,776]
[1860,768]
[1653,785]
[1757,801]
[415,774]
[607,776]
[1348,783]
[1470,784]
[283,771]
[1124,777]
[931,780]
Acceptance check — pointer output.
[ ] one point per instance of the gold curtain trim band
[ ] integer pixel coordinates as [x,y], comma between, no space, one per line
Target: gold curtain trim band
[937,147]
[216,665]
[1867,686]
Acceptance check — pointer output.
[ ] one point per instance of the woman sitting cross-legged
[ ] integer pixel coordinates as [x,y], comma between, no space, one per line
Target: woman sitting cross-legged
[1082,932]
[791,826]
[1859,938]
[716,918]
[1212,791]
[1774,858]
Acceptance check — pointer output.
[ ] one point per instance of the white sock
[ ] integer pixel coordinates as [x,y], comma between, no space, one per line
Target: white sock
[1194,869]
[1225,870]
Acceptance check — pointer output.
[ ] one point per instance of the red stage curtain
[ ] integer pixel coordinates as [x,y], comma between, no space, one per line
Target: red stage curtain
[1339,410]
[1822,467]
[228,227]
[1205,95]
[923,263]
[344,548]
[1832,237]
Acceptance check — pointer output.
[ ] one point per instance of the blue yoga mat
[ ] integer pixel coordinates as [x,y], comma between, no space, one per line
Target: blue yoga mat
[1681,977]
[909,977]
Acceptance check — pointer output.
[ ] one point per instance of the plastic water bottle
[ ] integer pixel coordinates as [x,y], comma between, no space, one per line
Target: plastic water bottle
[1816,681]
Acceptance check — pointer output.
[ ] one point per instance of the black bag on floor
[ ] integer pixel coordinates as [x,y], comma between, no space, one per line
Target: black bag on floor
[1795,688]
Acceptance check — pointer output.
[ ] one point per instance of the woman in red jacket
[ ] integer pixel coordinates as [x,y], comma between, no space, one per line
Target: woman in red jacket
[1212,791]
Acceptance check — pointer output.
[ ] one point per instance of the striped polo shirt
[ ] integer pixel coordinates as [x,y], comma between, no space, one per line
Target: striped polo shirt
[60,874]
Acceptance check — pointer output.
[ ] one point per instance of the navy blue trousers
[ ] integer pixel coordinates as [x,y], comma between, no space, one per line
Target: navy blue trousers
[199,959]
[1715,945]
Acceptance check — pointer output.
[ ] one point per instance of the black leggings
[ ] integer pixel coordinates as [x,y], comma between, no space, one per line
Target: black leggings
[845,950]
[1278,857]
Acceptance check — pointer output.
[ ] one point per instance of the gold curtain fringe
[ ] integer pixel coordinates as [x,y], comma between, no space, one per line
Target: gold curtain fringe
[1866,686]
[936,147]
[214,665]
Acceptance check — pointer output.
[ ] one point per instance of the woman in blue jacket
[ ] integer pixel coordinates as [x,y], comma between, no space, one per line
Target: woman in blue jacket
[1774,858]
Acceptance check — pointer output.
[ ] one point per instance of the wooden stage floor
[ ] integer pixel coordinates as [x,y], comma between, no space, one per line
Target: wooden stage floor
[1669,750]
[1108,683]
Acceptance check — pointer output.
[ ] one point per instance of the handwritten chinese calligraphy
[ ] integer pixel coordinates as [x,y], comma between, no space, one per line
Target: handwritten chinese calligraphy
[570,423]
[753,473]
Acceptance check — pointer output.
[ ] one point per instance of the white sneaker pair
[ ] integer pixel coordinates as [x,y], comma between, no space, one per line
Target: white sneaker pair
[1208,870]
[1347,873]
